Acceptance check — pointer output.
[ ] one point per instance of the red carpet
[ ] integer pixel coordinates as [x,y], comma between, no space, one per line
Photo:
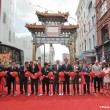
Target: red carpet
[86,102]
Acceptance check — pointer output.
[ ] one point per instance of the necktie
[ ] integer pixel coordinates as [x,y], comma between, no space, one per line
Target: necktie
[57,67]
[74,67]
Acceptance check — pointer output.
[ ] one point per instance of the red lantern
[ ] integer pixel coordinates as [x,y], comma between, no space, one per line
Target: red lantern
[27,74]
[14,74]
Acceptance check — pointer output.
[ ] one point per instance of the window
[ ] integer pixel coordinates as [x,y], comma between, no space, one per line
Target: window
[89,26]
[82,46]
[93,41]
[93,20]
[84,28]
[90,7]
[85,44]
[103,8]
[90,44]
[84,14]
[9,36]
[4,17]
[105,34]
[82,32]
[81,9]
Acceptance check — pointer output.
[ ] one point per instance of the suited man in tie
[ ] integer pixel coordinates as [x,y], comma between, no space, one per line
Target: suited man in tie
[56,68]
[33,68]
[87,70]
[23,79]
[66,67]
[76,69]
[10,78]
[45,82]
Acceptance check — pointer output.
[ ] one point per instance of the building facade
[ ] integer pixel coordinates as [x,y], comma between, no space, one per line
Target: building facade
[86,33]
[14,38]
[103,29]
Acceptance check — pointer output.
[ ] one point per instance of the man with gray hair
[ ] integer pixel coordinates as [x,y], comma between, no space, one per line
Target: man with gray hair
[96,68]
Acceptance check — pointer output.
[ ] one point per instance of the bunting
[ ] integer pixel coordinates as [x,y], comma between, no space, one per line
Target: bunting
[83,22]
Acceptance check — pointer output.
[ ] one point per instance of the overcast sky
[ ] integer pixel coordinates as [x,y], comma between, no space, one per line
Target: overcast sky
[55,6]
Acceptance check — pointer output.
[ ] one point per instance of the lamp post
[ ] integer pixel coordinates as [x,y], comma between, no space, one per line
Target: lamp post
[44,53]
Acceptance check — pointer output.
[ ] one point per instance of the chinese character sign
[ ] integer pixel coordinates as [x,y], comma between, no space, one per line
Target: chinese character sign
[5,57]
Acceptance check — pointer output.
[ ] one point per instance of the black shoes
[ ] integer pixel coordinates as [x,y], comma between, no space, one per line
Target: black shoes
[21,93]
[32,92]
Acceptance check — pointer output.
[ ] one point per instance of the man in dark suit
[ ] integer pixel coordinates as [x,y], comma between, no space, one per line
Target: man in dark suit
[56,68]
[33,68]
[45,70]
[23,79]
[87,70]
[10,78]
[66,67]
[76,69]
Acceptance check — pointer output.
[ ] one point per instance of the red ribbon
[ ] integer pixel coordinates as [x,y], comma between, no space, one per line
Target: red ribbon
[14,74]
[91,74]
[102,74]
[27,74]
[2,74]
[82,77]
[61,75]
[51,75]
[72,75]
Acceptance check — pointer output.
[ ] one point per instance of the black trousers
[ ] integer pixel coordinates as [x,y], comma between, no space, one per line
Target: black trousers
[45,82]
[97,80]
[34,83]
[23,82]
[86,87]
[66,83]
[11,80]
[56,84]
[76,84]
[75,87]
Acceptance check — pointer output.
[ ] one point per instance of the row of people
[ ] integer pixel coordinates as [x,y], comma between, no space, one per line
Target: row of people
[56,68]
